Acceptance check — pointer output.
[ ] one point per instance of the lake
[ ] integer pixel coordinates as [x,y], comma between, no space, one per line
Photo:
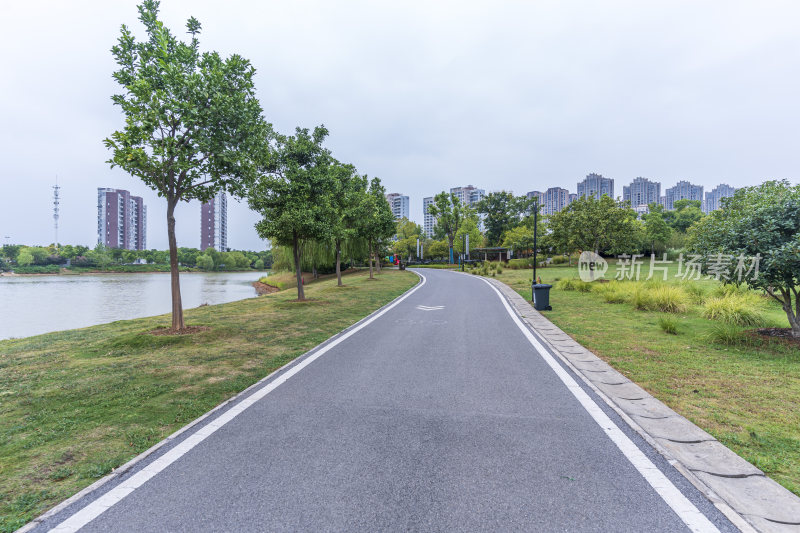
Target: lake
[30,305]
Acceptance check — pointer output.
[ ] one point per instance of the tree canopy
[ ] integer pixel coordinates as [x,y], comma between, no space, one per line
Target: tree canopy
[502,211]
[294,195]
[193,124]
[763,222]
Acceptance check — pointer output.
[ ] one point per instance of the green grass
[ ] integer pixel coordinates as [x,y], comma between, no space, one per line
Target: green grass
[76,404]
[742,389]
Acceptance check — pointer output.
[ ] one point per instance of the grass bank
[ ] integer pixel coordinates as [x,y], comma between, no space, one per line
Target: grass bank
[746,394]
[76,404]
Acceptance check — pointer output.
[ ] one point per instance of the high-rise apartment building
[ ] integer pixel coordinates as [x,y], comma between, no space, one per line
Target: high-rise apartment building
[555,199]
[641,193]
[399,204]
[428,219]
[572,197]
[595,185]
[121,219]
[683,190]
[539,195]
[714,197]
[469,195]
[214,223]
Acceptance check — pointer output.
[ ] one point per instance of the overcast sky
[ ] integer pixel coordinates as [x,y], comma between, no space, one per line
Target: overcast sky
[425,95]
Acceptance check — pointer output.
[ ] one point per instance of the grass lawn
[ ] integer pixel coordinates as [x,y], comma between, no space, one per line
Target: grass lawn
[748,397]
[76,404]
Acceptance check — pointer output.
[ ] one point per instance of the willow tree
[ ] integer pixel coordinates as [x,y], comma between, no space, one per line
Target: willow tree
[193,125]
[294,194]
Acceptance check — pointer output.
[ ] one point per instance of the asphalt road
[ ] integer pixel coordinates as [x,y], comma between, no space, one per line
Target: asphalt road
[439,415]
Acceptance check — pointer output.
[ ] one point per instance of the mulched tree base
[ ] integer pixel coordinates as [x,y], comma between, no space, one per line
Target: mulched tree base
[188,330]
[784,334]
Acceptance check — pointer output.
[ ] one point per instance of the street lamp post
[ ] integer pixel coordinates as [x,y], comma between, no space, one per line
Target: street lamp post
[535,246]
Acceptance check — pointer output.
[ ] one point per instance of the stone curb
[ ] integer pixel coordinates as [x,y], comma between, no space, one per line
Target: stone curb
[742,492]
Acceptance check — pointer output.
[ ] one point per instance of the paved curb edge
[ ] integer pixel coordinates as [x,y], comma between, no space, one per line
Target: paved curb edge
[125,468]
[732,489]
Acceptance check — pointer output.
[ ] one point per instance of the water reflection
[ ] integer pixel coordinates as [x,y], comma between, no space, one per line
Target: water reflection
[30,305]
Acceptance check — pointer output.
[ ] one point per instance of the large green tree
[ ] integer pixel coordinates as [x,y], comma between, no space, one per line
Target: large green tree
[294,194]
[596,225]
[763,222]
[686,213]
[349,191]
[502,211]
[449,213]
[376,223]
[193,125]
[656,230]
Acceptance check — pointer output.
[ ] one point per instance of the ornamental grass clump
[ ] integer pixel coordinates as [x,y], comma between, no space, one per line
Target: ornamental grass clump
[574,285]
[729,335]
[736,308]
[615,292]
[664,298]
[668,324]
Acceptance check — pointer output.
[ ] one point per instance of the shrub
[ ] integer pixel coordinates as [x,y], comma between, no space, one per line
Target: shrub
[559,260]
[665,298]
[519,264]
[499,268]
[668,324]
[741,309]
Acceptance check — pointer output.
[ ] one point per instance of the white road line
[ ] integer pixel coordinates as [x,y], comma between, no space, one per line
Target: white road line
[107,500]
[686,510]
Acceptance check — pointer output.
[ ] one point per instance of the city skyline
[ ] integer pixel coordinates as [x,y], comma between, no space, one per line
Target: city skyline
[453,107]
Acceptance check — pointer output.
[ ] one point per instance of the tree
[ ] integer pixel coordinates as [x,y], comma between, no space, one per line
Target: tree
[449,214]
[469,226]
[193,125]
[24,257]
[375,220]
[656,230]
[759,221]
[407,229]
[259,264]
[502,211]
[294,196]
[686,213]
[349,192]
[204,262]
[437,250]
[592,224]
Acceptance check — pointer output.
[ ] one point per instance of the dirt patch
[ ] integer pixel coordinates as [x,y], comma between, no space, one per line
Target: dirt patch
[188,330]
[264,288]
[781,334]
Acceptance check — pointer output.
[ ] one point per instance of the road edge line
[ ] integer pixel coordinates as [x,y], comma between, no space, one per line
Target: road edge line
[672,496]
[312,354]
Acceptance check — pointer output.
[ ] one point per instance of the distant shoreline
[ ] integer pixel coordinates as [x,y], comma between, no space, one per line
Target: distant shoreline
[66,272]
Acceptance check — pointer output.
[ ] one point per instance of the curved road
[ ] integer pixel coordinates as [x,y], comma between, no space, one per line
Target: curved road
[438,414]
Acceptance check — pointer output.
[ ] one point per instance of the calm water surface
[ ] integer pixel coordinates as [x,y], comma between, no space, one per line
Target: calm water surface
[30,305]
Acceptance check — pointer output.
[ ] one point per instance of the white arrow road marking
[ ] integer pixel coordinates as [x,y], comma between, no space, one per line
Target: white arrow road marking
[430,308]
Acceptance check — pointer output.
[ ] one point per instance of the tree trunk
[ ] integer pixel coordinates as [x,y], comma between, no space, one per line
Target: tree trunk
[450,239]
[338,263]
[370,263]
[296,252]
[177,306]
[314,271]
[794,317]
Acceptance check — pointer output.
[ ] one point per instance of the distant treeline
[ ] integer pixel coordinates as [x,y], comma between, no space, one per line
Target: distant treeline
[49,259]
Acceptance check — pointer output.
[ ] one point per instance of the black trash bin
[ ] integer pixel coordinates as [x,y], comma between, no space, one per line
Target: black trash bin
[541,297]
